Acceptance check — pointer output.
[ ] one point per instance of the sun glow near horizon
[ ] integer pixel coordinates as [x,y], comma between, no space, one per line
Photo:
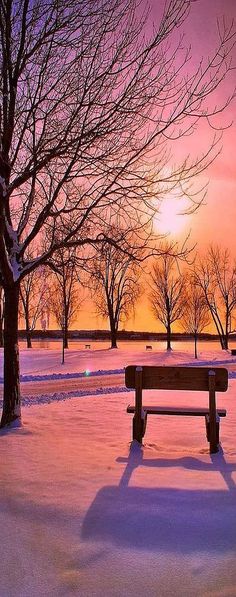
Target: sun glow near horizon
[171,217]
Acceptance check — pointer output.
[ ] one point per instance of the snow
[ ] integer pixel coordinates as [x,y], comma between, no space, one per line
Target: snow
[83,512]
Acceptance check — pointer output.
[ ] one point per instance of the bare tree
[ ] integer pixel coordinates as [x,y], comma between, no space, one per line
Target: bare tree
[33,300]
[167,296]
[1,314]
[216,276]
[114,280]
[90,101]
[195,317]
[64,299]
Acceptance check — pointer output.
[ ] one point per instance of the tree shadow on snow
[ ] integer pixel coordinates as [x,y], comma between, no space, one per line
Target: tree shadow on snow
[166,519]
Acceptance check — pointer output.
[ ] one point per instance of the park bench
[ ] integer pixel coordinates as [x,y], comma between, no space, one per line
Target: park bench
[207,379]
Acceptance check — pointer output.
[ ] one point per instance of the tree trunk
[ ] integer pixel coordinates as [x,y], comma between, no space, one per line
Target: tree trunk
[1,317]
[225,342]
[227,328]
[218,326]
[195,345]
[11,395]
[113,333]
[28,332]
[1,331]
[66,345]
[168,334]
[221,341]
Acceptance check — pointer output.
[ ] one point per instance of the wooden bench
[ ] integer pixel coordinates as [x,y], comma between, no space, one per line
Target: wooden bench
[148,347]
[177,378]
[87,346]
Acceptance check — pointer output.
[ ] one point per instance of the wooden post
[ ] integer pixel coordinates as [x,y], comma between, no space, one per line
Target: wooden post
[137,420]
[212,414]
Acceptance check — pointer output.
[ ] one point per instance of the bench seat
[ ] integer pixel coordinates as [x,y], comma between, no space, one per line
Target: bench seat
[170,410]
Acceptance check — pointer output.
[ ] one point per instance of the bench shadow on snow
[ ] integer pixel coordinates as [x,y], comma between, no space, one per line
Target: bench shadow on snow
[166,519]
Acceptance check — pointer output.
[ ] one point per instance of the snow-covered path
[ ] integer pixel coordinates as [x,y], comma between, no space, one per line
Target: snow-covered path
[44,378]
[89,385]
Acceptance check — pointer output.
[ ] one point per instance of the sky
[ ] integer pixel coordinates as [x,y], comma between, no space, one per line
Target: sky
[215,221]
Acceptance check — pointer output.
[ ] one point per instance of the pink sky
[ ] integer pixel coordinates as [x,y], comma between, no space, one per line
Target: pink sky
[215,221]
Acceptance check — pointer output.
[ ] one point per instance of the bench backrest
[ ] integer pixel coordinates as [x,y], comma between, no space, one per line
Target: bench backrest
[177,378]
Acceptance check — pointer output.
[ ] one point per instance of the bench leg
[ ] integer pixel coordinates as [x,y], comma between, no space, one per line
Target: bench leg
[214,445]
[139,427]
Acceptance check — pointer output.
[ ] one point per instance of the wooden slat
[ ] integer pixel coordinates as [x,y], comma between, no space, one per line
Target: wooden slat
[184,411]
[177,378]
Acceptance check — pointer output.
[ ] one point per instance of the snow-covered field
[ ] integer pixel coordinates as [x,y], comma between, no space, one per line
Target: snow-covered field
[84,513]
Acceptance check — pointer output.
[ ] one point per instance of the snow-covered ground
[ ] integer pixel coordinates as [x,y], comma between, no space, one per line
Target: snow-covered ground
[84,513]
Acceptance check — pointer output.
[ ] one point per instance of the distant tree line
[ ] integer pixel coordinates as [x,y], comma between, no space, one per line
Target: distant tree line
[193,295]
[196,296]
